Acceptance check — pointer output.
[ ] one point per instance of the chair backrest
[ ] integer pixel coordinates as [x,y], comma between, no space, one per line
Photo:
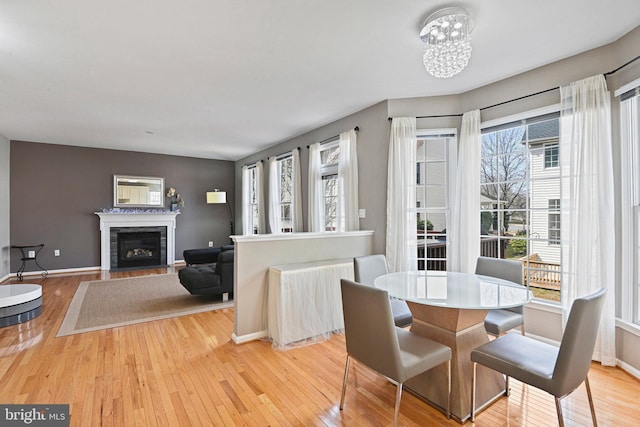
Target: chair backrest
[367,268]
[578,342]
[502,269]
[369,330]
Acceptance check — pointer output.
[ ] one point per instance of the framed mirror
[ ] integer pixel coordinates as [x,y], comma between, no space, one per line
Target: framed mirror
[138,191]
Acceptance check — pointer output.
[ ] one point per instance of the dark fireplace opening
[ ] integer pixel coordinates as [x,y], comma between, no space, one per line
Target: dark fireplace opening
[139,249]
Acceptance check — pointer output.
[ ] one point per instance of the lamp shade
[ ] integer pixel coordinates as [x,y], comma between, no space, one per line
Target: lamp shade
[216,197]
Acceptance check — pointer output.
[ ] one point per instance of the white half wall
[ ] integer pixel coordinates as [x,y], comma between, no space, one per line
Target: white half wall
[255,254]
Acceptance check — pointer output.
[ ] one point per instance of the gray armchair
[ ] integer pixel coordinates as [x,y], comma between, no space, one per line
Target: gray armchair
[558,371]
[500,321]
[374,340]
[366,270]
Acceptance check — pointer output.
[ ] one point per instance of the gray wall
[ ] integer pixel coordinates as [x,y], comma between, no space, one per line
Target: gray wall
[373,143]
[4,207]
[55,190]
[373,147]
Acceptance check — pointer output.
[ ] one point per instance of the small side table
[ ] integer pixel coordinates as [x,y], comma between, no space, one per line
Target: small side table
[24,250]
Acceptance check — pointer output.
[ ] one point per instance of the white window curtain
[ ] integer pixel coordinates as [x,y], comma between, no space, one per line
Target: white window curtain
[401,249]
[316,201]
[347,218]
[630,200]
[260,197]
[275,223]
[464,233]
[296,201]
[246,201]
[585,144]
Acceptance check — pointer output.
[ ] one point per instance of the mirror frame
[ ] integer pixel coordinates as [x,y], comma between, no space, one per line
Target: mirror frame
[152,181]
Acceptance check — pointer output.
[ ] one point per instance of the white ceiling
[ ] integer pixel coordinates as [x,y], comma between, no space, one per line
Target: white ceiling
[224,79]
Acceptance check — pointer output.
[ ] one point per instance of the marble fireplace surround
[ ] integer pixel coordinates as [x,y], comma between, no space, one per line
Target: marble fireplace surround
[135,219]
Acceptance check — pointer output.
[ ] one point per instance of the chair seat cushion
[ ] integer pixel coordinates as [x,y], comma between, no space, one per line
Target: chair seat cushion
[500,321]
[520,357]
[199,279]
[420,354]
[402,316]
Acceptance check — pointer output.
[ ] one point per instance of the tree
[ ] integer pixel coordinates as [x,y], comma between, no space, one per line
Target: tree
[503,170]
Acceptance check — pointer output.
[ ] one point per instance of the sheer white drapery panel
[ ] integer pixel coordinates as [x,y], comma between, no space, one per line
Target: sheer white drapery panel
[347,218]
[316,204]
[246,200]
[275,224]
[260,197]
[464,240]
[589,251]
[296,200]
[630,202]
[401,248]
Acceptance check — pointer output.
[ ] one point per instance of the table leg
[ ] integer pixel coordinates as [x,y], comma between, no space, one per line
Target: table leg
[462,330]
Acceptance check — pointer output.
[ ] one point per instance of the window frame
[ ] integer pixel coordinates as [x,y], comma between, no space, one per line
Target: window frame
[526,118]
[451,136]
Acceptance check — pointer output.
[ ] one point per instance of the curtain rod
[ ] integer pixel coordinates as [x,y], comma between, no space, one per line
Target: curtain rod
[525,96]
[324,141]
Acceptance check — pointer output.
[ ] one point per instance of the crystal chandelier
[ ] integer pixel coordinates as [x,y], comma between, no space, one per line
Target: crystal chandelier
[446,34]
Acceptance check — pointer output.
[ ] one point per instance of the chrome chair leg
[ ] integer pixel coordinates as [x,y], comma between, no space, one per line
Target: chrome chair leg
[593,409]
[397,409]
[559,411]
[473,392]
[344,383]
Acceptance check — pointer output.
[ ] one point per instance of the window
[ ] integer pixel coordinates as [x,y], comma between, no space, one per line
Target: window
[252,217]
[285,178]
[630,201]
[329,157]
[551,156]
[253,202]
[520,194]
[433,151]
[554,221]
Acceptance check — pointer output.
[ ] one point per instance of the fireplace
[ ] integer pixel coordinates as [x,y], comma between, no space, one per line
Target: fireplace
[136,247]
[112,223]
[139,249]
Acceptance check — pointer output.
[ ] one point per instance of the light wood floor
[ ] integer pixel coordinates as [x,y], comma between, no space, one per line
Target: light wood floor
[186,371]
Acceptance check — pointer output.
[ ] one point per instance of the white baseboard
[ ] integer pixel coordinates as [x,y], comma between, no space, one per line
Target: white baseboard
[249,337]
[628,369]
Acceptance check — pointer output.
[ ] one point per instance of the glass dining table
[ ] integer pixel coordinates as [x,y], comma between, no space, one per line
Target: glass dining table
[450,308]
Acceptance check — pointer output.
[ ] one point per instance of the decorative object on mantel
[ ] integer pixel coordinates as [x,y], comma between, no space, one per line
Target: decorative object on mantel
[176,201]
[446,34]
[218,197]
[136,210]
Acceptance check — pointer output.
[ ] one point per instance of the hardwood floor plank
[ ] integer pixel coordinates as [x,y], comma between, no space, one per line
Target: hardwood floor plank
[186,371]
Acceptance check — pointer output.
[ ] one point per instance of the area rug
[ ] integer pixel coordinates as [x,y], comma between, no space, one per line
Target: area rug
[102,304]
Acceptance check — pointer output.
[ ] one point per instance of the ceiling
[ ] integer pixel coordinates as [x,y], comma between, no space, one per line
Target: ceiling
[225,79]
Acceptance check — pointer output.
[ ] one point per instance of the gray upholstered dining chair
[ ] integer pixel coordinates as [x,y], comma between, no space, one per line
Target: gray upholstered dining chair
[500,321]
[373,340]
[558,371]
[366,269]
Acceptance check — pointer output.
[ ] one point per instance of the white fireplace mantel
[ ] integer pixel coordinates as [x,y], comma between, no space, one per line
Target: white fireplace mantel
[137,219]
